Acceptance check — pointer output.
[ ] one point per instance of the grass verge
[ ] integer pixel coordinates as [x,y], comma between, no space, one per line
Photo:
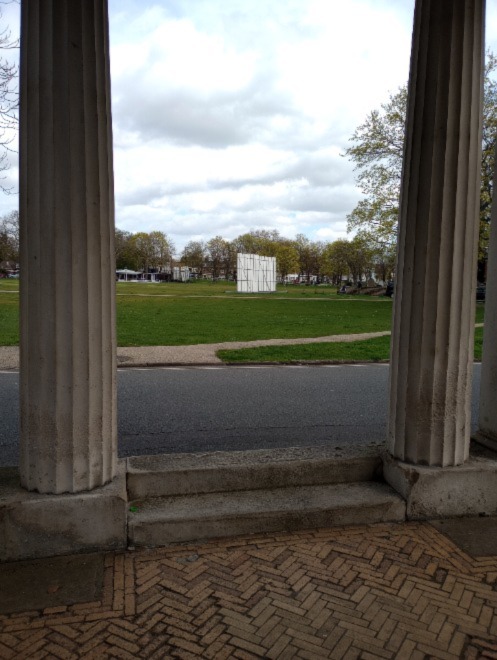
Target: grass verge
[368,350]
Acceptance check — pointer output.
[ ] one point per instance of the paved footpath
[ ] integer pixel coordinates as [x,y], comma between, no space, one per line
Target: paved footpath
[381,591]
[149,356]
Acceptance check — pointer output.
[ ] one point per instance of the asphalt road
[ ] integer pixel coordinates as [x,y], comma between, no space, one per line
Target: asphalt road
[235,408]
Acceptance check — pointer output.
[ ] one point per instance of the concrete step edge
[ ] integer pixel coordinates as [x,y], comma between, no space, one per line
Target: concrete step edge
[162,476]
[180,519]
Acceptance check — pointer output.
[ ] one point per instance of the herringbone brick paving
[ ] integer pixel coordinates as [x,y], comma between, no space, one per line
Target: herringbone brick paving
[380,591]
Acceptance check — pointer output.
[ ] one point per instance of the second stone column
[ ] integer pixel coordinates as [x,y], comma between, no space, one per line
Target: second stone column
[432,339]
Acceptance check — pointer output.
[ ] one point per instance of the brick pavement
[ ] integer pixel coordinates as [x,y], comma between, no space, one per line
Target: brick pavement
[379,591]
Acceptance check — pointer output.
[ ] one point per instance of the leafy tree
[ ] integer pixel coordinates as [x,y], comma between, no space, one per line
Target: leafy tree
[360,257]
[258,241]
[194,255]
[142,245]
[384,256]
[309,255]
[126,254]
[162,250]
[377,151]
[143,251]
[287,258]
[9,237]
[303,247]
[219,255]
[335,264]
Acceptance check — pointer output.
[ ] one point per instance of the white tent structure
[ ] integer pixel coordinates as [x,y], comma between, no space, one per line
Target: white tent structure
[255,274]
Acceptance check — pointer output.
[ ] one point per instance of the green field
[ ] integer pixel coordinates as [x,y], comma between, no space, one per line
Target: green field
[206,312]
[221,288]
[178,321]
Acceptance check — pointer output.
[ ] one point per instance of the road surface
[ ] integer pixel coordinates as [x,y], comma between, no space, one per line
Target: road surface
[185,409]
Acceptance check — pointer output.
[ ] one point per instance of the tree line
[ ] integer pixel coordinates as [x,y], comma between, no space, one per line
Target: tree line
[356,259]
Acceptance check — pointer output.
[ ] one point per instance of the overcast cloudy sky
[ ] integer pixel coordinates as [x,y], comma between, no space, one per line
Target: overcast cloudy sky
[231,115]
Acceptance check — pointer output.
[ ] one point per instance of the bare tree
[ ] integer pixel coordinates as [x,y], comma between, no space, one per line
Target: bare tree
[9,97]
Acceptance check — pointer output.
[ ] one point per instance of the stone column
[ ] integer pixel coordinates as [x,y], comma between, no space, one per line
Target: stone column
[68,363]
[487,423]
[433,327]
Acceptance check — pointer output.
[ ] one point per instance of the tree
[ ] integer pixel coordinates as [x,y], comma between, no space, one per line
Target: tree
[488,154]
[309,256]
[377,152]
[9,100]
[126,254]
[9,237]
[142,250]
[334,260]
[287,258]
[162,250]
[194,256]
[219,255]
[360,257]
[384,258]
[258,241]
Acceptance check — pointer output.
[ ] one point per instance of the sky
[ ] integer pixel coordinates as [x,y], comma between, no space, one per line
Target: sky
[232,115]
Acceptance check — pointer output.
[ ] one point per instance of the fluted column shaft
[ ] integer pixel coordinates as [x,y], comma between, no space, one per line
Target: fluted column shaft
[68,363]
[433,326]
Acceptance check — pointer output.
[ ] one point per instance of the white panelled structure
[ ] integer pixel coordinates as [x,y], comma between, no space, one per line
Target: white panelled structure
[181,274]
[255,274]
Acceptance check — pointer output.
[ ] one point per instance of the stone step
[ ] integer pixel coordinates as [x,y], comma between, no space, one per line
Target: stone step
[183,474]
[161,521]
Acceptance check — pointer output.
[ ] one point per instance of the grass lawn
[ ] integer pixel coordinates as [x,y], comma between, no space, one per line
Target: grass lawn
[221,288]
[152,321]
[181,314]
[210,312]
[369,350]
[9,319]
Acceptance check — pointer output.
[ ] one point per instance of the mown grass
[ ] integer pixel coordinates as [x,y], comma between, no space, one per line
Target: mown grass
[9,319]
[368,350]
[228,288]
[181,321]
[184,315]
[153,320]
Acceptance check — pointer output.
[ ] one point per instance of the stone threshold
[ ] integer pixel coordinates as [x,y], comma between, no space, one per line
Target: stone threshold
[33,525]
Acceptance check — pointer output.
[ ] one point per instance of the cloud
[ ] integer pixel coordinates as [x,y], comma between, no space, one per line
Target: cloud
[232,115]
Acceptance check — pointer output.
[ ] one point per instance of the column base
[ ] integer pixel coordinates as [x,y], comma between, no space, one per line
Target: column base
[436,492]
[486,439]
[34,525]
